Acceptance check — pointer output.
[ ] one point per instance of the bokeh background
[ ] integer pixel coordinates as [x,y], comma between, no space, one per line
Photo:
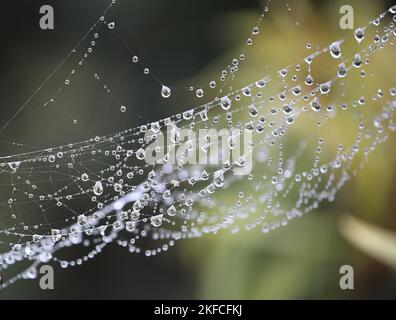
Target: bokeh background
[183,43]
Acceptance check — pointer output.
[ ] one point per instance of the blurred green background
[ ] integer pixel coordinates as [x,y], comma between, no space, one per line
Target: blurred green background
[188,42]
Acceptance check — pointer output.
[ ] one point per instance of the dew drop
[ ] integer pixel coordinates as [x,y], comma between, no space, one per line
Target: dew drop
[117,187]
[171,211]
[14,165]
[296,90]
[309,80]
[218,179]
[288,108]
[357,61]
[204,175]
[359,34]
[253,110]
[342,71]
[98,188]
[335,50]
[325,87]
[166,194]
[165,91]
[260,84]
[130,226]
[56,235]
[225,103]
[156,221]
[199,93]
[247,92]
[315,104]
[140,154]
[81,219]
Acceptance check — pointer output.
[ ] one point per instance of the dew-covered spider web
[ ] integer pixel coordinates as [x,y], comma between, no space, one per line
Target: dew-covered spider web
[249,155]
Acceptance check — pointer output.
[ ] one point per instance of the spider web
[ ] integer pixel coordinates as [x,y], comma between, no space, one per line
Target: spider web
[104,190]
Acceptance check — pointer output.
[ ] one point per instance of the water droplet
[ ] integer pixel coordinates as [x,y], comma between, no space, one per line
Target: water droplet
[204,175]
[111,25]
[166,194]
[288,108]
[37,237]
[253,110]
[296,90]
[98,188]
[283,73]
[342,71]
[335,50]
[165,91]
[56,235]
[156,221]
[187,115]
[117,187]
[155,127]
[171,211]
[225,103]
[260,84]
[247,92]
[315,104]
[14,165]
[218,179]
[357,61]
[199,93]
[140,154]
[122,108]
[309,80]
[359,34]
[130,226]
[16,248]
[325,87]
[81,219]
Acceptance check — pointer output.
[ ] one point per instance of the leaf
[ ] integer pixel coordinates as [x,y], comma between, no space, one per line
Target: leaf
[372,240]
